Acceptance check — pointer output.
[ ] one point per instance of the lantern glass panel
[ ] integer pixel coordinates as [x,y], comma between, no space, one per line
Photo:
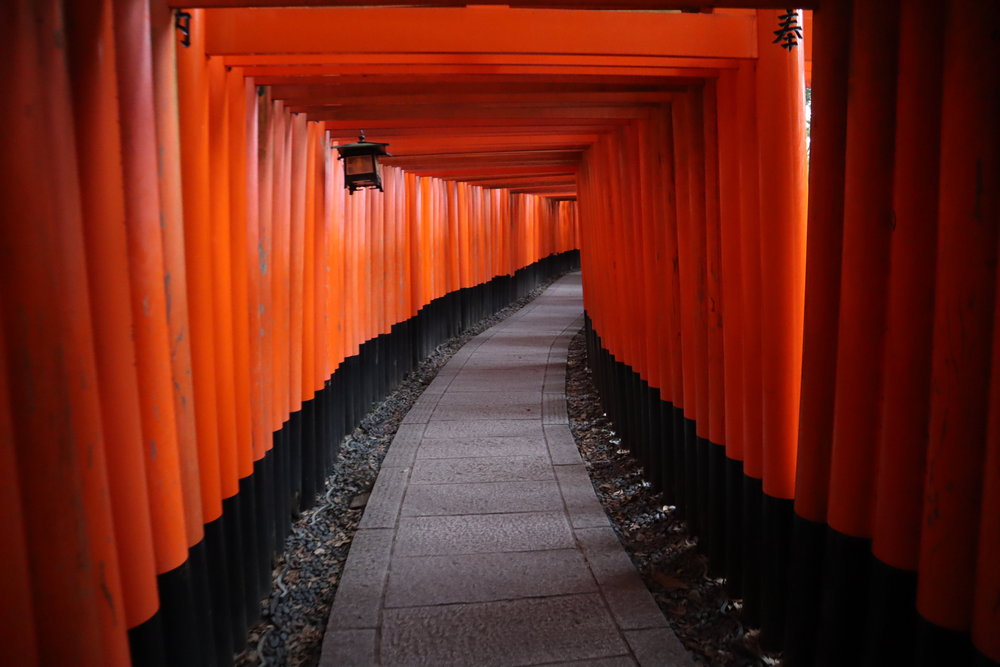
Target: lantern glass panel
[359,164]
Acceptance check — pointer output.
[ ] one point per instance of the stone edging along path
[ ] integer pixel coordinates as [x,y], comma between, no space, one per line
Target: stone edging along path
[483,542]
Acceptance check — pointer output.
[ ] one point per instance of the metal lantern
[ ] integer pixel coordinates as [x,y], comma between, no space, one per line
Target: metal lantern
[361,167]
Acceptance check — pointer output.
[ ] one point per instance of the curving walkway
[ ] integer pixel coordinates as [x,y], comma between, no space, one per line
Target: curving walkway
[483,542]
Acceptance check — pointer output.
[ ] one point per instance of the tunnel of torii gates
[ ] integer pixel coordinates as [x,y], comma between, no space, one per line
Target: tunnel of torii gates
[194,311]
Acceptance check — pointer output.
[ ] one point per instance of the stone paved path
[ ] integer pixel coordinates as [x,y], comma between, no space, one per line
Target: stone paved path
[483,542]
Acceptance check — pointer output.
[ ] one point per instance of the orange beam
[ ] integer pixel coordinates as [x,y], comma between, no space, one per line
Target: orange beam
[473,125]
[446,146]
[408,79]
[478,112]
[522,170]
[323,99]
[415,87]
[337,59]
[632,5]
[545,189]
[409,68]
[488,132]
[477,30]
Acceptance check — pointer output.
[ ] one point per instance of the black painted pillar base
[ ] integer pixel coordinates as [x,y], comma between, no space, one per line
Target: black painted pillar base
[892,614]
[734,528]
[845,596]
[680,429]
[805,591]
[941,646]
[690,504]
[232,511]
[218,582]
[718,536]
[776,525]
[665,445]
[753,493]
[701,483]
[146,647]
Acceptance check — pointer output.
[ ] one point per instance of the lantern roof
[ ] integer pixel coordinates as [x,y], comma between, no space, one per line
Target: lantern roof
[362,147]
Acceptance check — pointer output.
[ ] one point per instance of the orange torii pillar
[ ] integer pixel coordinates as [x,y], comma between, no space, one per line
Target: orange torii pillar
[75,612]
[732,332]
[171,223]
[906,390]
[142,206]
[973,139]
[863,293]
[659,419]
[193,97]
[126,277]
[714,450]
[667,338]
[750,270]
[953,591]
[258,325]
[822,307]
[781,147]
[691,270]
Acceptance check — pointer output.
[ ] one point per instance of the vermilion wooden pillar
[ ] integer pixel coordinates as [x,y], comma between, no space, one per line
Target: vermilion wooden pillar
[256,317]
[220,222]
[968,221]
[152,343]
[828,128]
[696,460]
[909,323]
[861,335]
[750,268]
[655,317]
[686,462]
[782,162]
[732,314]
[237,111]
[672,259]
[167,134]
[715,451]
[19,635]
[90,35]
[985,615]
[43,365]
[193,98]
[165,90]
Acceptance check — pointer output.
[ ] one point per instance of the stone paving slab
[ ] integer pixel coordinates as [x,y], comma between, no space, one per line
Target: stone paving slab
[456,448]
[498,428]
[403,449]
[562,446]
[454,397]
[386,498]
[508,632]
[359,597]
[491,498]
[349,647]
[584,508]
[475,406]
[481,469]
[434,580]
[482,533]
[626,595]
[483,542]
[617,661]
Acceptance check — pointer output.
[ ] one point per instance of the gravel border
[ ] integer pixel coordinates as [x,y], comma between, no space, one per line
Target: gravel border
[705,619]
[306,574]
